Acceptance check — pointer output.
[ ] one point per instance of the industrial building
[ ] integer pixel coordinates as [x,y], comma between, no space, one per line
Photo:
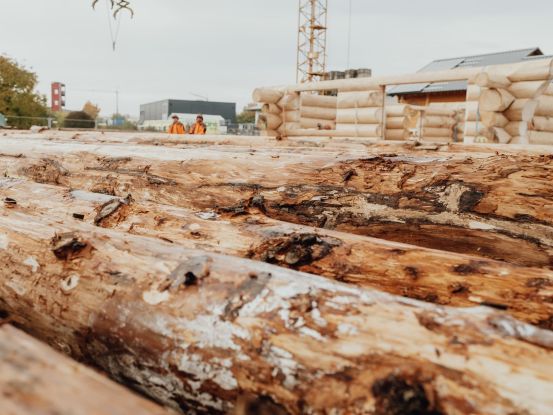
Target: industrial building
[161,110]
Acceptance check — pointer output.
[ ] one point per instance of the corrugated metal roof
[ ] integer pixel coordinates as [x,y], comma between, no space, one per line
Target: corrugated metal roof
[499,58]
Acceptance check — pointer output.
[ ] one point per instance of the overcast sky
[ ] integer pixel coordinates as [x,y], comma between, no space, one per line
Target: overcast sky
[222,49]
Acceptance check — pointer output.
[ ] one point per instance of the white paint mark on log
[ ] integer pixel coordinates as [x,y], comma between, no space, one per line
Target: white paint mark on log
[217,370]
[284,361]
[306,331]
[18,288]
[347,329]
[32,262]
[480,226]
[155,297]
[208,215]
[70,283]
[4,241]
[214,332]
[91,197]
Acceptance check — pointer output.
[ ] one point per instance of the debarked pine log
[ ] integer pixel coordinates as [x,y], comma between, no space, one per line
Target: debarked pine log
[34,379]
[496,206]
[195,331]
[429,275]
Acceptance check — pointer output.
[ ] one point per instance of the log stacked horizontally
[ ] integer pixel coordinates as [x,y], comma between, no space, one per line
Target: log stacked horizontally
[506,104]
[228,273]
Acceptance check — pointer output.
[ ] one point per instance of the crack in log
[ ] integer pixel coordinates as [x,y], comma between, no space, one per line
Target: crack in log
[398,394]
[244,294]
[294,250]
[67,246]
[188,273]
[110,208]
[47,171]
[151,178]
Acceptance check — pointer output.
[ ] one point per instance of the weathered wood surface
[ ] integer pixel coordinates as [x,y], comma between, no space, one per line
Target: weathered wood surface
[35,379]
[497,206]
[195,330]
[429,275]
[299,143]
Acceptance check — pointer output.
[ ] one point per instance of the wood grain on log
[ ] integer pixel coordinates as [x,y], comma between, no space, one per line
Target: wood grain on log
[35,379]
[435,276]
[483,205]
[195,331]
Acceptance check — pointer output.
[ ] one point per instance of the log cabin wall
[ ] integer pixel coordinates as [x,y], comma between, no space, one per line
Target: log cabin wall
[507,104]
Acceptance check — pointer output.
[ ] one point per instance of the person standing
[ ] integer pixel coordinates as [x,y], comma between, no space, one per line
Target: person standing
[177,127]
[199,128]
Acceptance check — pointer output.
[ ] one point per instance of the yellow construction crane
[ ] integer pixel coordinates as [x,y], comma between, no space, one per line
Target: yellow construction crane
[311,63]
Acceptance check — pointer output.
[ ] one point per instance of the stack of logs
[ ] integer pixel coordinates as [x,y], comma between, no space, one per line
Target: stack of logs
[513,107]
[256,275]
[397,122]
[360,113]
[317,111]
[505,104]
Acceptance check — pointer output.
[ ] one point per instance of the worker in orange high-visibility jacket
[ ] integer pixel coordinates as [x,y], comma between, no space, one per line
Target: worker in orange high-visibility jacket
[177,127]
[198,127]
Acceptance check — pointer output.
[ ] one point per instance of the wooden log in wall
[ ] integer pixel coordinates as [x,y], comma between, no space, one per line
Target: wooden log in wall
[318,113]
[320,101]
[34,379]
[359,115]
[195,331]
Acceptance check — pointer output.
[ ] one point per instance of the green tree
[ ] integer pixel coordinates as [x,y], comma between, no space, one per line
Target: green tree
[17,94]
[78,119]
[245,117]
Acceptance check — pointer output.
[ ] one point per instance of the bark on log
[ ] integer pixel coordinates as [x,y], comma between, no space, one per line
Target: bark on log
[314,100]
[195,331]
[359,115]
[495,100]
[267,95]
[360,99]
[366,262]
[318,113]
[484,204]
[34,379]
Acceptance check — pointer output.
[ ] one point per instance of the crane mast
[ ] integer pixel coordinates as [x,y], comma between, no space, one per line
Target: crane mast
[311,61]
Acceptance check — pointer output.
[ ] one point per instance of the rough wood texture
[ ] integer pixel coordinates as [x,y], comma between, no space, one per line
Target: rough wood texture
[497,206]
[35,379]
[177,325]
[434,276]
